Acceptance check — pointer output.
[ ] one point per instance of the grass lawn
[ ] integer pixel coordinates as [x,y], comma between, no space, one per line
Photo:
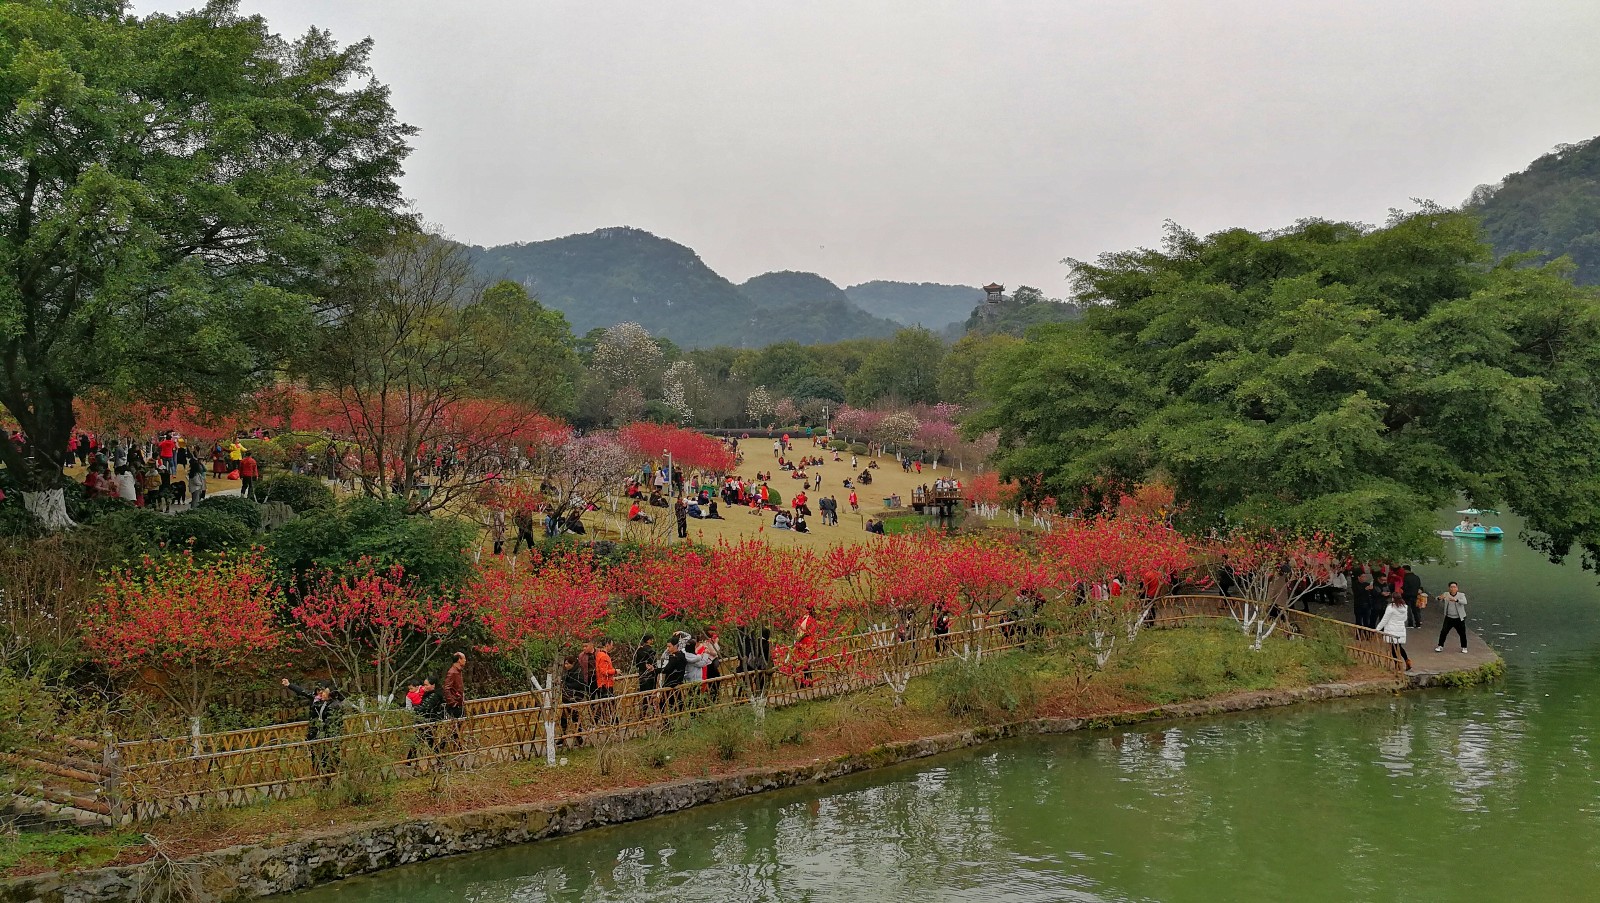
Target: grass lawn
[737,522]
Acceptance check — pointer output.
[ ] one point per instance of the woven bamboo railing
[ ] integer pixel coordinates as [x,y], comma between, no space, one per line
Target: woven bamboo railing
[164,777]
[1364,644]
[281,763]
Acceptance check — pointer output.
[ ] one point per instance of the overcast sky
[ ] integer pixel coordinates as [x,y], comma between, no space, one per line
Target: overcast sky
[957,141]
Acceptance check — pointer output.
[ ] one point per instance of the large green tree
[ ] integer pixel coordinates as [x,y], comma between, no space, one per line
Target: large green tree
[905,370]
[1327,376]
[174,193]
[537,365]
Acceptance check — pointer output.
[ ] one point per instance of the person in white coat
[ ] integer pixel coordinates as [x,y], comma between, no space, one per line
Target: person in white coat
[1393,627]
[696,672]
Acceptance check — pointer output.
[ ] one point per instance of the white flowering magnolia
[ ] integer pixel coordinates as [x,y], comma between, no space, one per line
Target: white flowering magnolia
[758,404]
[898,428]
[626,355]
[680,388]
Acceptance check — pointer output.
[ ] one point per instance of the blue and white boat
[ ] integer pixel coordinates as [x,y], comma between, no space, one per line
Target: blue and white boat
[1473,528]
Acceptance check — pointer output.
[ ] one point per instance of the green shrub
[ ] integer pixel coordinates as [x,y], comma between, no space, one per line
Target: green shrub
[210,531]
[774,497]
[432,550]
[130,533]
[245,511]
[992,689]
[838,445]
[653,750]
[858,449]
[728,731]
[779,731]
[302,493]
[17,522]
[85,510]
[134,532]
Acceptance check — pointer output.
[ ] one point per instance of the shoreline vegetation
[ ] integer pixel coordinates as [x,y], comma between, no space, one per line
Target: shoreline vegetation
[1177,672]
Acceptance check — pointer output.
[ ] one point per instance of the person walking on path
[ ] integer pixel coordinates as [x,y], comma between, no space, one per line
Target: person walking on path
[1410,590]
[1393,627]
[249,470]
[1455,616]
[681,512]
[197,482]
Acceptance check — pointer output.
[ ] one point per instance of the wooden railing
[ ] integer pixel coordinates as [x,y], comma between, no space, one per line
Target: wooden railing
[1364,645]
[501,728]
[153,779]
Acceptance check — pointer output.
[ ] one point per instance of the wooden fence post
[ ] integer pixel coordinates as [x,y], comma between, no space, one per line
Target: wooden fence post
[111,782]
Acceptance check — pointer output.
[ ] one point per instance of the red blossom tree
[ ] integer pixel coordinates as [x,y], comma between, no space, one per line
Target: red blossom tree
[744,588]
[856,423]
[372,625]
[989,493]
[901,587]
[189,622]
[1271,571]
[1104,565]
[537,614]
[689,450]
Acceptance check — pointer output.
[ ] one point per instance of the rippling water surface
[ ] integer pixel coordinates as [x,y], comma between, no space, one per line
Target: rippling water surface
[1484,794]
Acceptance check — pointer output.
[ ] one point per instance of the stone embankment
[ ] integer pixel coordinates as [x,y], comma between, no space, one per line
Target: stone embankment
[261,870]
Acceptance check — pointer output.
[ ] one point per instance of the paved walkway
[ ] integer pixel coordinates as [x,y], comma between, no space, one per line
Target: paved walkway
[1419,643]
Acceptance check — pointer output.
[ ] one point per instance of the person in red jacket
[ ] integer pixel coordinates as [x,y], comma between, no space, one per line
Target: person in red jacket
[165,449]
[249,470]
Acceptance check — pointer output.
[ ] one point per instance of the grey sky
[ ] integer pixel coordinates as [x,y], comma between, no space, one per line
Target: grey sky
[957,141]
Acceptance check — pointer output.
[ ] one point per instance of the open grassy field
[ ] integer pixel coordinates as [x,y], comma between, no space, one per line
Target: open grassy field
[738,522]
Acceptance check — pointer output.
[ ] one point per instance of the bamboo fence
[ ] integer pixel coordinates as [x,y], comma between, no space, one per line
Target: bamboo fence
[146,779]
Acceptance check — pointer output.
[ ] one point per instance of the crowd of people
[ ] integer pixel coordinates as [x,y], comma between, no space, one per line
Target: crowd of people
[161,472]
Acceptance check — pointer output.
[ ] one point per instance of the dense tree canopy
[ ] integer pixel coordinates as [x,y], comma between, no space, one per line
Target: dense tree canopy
[905,369]
[173,192]
[1327,376]
[537,366]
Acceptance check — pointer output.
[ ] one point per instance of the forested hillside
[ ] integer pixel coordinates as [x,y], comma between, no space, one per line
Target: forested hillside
[927,304]
[621,274]
[1552,207]
[1020,311]
[808,308]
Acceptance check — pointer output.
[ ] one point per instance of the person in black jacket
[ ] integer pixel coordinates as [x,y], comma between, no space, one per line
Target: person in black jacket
[675,672]
[324,720]
[1410,590]
[644,662]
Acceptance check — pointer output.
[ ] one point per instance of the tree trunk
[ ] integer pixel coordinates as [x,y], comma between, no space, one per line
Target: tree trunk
[547,703]
[50,506]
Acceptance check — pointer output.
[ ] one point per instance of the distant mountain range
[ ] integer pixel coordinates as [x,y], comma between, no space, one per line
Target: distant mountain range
[618,274]
[927,304]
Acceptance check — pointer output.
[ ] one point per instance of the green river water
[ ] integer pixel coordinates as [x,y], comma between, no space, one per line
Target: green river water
[1483,794]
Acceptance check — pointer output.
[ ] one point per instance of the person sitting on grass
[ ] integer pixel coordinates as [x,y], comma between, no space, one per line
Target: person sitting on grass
[780,521]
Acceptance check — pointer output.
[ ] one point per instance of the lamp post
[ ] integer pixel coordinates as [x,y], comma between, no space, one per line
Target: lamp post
[668,455]
[825,430]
